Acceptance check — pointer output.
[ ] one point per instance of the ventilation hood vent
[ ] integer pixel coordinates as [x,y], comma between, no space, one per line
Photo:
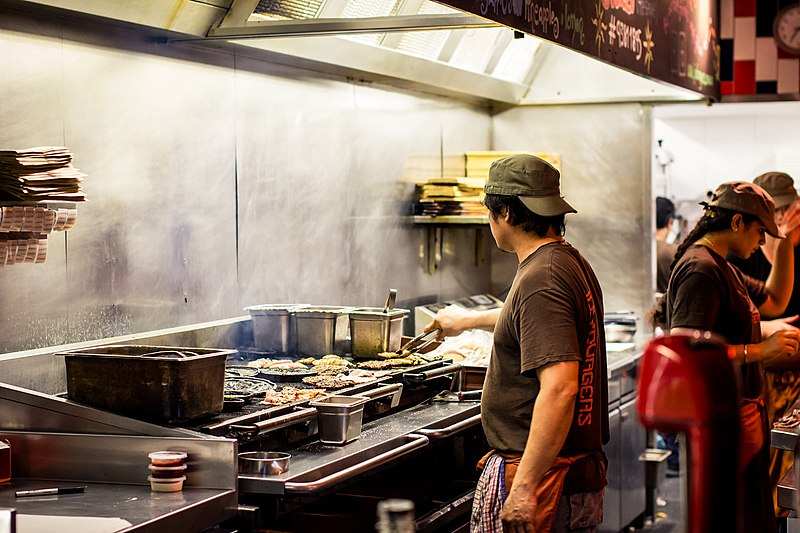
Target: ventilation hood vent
[415,44]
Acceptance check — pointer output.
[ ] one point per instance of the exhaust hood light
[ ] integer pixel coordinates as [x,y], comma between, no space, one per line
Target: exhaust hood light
[517,60]
[475,49]
[287,9]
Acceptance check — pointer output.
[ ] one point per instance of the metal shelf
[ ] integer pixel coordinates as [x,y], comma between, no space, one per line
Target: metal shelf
[450,220]
[52,204]
[432,247]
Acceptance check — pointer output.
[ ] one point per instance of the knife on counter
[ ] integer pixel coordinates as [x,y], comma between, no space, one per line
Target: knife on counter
[50,491]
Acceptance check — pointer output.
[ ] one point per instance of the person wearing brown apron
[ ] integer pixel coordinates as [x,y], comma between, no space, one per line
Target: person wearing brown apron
[707,292]
[782,383]
[544,407]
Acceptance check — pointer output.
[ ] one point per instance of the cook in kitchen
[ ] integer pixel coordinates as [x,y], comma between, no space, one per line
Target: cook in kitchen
[545,400]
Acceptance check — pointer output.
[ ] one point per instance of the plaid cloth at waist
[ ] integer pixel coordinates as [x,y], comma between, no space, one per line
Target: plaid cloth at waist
[490,494]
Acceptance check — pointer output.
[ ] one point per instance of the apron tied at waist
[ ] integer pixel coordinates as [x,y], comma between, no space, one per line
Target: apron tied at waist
[549,490]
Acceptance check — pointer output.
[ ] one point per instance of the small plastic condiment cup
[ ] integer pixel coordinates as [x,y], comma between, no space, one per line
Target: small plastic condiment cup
[167,458]
[166,485]
[167,472]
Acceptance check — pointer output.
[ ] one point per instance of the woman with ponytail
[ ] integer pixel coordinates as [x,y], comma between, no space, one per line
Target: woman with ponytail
[708,293]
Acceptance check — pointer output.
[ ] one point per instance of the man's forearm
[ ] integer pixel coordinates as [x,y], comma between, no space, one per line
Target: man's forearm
[552,417]
[485,319]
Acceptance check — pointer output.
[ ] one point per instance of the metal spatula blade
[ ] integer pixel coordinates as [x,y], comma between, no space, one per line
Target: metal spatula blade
[390,300]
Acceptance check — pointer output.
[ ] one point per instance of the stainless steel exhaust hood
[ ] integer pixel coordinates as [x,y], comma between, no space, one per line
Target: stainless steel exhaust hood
[409,43]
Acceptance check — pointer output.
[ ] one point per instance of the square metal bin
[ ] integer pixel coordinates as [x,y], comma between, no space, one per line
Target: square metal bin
[156,383]
[274,327]
[340,418]
[318,329]
[372,331]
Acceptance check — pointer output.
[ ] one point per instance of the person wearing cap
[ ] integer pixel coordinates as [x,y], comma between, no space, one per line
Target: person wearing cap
[782,383]
[544,407]
[706,292]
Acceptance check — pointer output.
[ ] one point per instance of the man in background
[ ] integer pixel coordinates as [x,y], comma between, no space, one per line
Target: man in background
[665,251]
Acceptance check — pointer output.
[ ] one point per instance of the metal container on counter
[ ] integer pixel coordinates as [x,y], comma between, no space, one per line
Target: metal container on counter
[373,331]
[620,326]
[264,463]
[274,327]
[319,328]
[339,418]
[156,383]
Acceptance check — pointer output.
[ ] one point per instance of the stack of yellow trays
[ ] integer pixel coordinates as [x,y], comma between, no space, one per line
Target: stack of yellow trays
[450,197]
[478,163]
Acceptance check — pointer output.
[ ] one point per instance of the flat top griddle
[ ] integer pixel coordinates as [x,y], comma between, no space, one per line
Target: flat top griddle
[254,411]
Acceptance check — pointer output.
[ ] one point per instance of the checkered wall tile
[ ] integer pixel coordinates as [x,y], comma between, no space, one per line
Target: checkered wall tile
[751,62]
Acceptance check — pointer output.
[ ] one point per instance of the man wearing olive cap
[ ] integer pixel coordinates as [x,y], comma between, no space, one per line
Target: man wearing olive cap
[545,399]
[782,384]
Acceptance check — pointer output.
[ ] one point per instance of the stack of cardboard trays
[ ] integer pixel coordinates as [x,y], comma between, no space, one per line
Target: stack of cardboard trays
[451,197]
[477,163]
[39,174]
[22,247]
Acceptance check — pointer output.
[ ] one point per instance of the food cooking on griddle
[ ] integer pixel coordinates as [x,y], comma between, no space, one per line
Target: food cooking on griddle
[240,372]
[363,376]
[338,381]
[277,364]
[383,364]
[247,385]
[328,360]
[290,395]
[393,355]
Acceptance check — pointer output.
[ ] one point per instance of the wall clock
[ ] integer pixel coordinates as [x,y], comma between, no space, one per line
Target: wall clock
[786,29]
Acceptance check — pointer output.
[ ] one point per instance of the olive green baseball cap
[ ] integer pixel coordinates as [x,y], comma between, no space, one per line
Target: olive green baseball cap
[533,180]
[749,198]
[780,186]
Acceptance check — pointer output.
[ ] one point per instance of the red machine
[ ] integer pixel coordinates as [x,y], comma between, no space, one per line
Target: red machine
[687,384]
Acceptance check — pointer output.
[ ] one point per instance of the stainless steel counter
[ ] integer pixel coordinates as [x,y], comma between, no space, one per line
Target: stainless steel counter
[315,466]
[106,507]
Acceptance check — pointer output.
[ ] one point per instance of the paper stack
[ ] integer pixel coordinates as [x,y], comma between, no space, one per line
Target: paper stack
[39,174]
[22,248]
[37,219]
[478,163]
[450,197]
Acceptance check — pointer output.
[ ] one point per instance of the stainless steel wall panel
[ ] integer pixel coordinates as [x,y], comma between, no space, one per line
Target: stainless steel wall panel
[32,298]
[605,153]
[331,158]
[173,137]
[156,242]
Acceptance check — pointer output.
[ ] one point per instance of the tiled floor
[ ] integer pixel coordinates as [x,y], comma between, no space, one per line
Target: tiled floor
[670,517]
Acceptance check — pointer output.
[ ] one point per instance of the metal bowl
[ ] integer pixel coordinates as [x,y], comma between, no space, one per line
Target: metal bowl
[264,463]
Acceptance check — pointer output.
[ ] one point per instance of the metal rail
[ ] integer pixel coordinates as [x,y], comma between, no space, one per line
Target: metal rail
[416,442]
[340,26]
[421,377]
[442,433]
[271,424]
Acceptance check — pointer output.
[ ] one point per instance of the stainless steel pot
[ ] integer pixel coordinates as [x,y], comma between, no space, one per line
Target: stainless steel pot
[274,327]
[373,331]
[263,463]
[339,418]
[317,329]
